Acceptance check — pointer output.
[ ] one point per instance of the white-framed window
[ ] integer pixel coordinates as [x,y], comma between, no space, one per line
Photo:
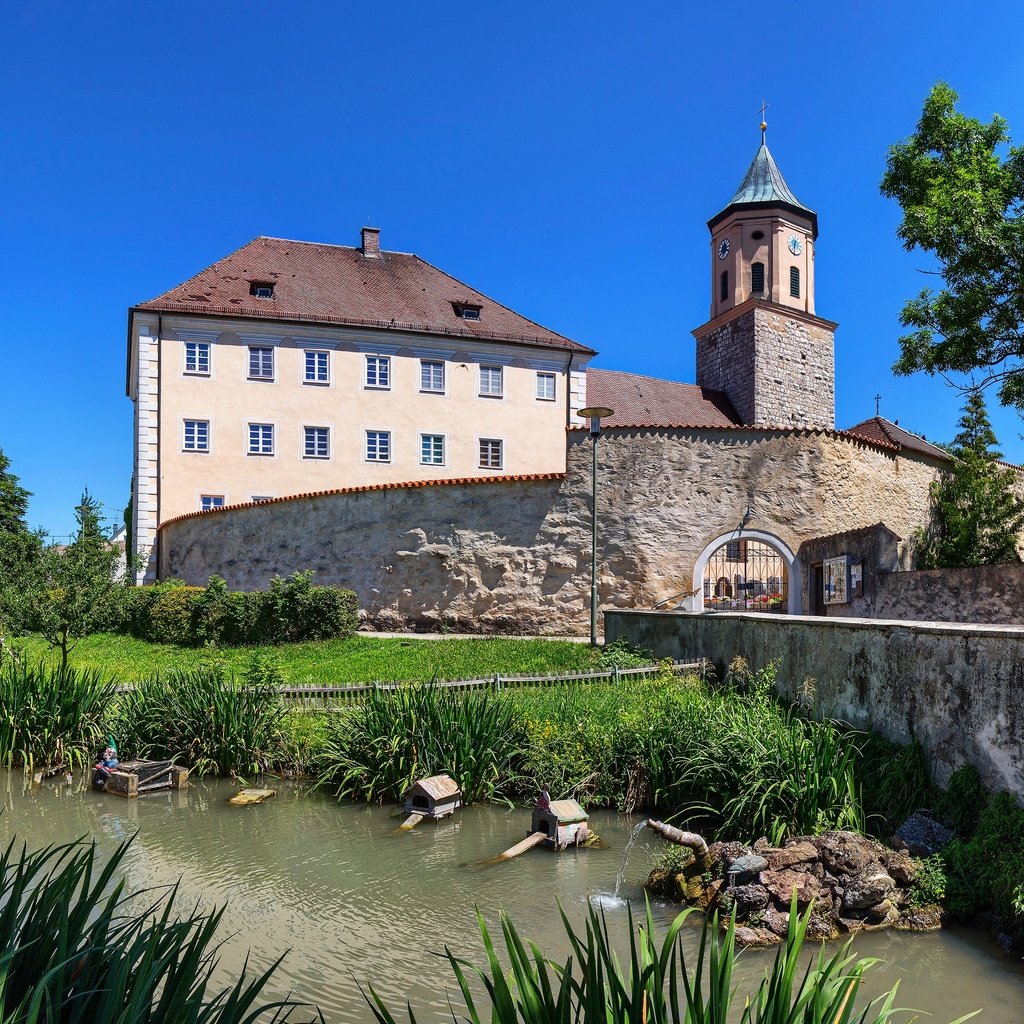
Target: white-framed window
[491,381]
[378,371]
[432,449]
[316,367]
[316,442]
[546,385]
[378,446]
[208,502]
[492,453]
[256,499]
[261,438]
[432,376]
[197,357]
[261,362]
[196,436]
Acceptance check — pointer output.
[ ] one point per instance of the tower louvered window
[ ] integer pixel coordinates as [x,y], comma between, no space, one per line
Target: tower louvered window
[724,286]
[794,282]
[757,277]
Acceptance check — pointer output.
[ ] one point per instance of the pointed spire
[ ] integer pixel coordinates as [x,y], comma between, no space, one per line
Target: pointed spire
[763,184]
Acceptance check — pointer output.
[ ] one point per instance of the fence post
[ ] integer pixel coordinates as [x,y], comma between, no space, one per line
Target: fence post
[615,674]
[497,681]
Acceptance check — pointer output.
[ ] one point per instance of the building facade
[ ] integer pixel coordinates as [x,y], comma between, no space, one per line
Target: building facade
[290,368]
[707,493]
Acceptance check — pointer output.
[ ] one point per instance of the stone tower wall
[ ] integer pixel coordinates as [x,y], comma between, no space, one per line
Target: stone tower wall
[777,369]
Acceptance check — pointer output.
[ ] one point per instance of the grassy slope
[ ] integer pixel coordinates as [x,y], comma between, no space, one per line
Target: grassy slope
[359,659]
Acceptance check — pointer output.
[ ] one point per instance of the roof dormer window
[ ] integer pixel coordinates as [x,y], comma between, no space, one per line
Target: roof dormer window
[261,289]
[465,311]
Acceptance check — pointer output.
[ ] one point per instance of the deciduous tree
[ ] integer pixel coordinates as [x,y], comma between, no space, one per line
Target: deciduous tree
[961,188]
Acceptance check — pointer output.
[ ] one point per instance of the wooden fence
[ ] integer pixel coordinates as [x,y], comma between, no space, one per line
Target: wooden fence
[322,695]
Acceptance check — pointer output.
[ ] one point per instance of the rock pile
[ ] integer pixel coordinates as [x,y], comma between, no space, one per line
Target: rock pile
[854,884]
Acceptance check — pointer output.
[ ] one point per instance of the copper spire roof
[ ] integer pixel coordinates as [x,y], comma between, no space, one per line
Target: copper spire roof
[764,185]
[337,284]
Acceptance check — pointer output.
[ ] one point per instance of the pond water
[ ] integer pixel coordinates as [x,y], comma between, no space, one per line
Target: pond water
[355,903]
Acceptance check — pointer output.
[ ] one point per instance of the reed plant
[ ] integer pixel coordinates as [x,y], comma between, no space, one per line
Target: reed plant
[51,716]
[77,948]
[375,750]
[205,719]
[657,983]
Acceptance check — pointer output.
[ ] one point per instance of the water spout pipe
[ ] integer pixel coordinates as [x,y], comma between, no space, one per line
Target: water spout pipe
[678,836]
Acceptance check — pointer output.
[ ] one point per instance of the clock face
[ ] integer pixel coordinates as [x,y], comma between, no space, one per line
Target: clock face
[723,248]
[795,246]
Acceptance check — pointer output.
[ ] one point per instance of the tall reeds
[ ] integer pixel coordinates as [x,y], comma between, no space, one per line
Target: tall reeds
[77,948]
[656,984]
[378,748]
[51,716]
[204,719]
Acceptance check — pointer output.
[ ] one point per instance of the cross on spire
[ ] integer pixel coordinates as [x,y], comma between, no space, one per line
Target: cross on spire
[764,123]
[878,399]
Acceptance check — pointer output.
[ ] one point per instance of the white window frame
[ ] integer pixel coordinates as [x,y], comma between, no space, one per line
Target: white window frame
[252,347]
[378,362]
[249,450]
[489,392]
[433,363]
[259,499]
[444,448]
[201,348]
[547,375]
[211,498]
[500,441]
[306,427]
[366,446]
[317,353]
[194,448]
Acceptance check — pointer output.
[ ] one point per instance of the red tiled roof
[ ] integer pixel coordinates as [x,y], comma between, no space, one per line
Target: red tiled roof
[882,431]
[647,401]
[337,284]
[409,485]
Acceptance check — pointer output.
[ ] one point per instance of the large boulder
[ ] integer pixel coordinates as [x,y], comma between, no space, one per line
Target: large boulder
[792,853]
[868,888]
[749,899]
[845,853]
[781,885]
[922,835]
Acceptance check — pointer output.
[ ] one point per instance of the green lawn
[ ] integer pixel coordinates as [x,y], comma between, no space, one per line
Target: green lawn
[356,660]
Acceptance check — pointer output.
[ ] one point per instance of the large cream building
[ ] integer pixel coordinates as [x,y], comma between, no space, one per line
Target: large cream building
[290,367]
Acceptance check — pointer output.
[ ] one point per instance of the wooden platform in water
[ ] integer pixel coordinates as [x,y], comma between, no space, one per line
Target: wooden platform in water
[130,778]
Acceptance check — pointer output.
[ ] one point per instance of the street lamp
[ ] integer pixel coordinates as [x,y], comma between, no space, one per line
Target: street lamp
[594,413]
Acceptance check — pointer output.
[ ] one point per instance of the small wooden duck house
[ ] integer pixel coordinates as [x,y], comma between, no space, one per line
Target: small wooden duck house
[563,823]
[130,778]
[436,797]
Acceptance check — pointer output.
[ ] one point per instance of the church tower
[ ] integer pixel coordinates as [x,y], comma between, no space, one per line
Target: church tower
[763,345]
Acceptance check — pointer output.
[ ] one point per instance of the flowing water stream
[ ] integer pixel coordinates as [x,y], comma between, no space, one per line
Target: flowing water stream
[355,903]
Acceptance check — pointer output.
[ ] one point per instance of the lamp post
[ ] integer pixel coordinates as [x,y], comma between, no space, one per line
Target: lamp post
[594,413]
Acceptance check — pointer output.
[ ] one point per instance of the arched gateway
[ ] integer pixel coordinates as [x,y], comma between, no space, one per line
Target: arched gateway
[747,570]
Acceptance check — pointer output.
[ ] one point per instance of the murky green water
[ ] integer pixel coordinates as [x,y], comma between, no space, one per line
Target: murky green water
[355,903]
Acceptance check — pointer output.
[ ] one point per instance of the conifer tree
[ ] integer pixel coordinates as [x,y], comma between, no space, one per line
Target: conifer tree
[13,500]
[978,515]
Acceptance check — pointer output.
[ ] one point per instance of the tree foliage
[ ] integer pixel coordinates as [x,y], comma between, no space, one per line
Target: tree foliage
[13,500]
[961,187]
[977,514]
[66,593]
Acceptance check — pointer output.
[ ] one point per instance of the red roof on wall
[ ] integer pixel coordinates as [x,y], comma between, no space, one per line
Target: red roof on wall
[647,401]
[338,284]
[883,431]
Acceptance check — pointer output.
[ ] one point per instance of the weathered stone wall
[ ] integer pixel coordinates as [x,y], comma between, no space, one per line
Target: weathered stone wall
[958,689]
[985,593]
[777,368]
[516,555]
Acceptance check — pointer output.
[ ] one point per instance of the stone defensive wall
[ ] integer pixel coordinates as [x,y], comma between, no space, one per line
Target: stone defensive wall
[958,689]
[512,554]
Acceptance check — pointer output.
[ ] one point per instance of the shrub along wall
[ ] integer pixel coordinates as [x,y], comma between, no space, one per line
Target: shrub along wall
[292,609]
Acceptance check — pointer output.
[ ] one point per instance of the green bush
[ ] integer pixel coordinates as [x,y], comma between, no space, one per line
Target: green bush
[291,610]
[930,883]
[171,614]
[962,802]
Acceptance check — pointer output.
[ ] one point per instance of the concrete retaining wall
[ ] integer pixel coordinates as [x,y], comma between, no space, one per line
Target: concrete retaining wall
[958,689]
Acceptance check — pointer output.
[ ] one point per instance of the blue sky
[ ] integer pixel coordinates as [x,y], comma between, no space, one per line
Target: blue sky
[562,157]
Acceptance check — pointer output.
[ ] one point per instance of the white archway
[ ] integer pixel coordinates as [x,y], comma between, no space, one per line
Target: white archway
[792,566]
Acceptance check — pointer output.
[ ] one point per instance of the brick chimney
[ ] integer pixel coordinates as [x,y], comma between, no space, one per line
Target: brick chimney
[371,242]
